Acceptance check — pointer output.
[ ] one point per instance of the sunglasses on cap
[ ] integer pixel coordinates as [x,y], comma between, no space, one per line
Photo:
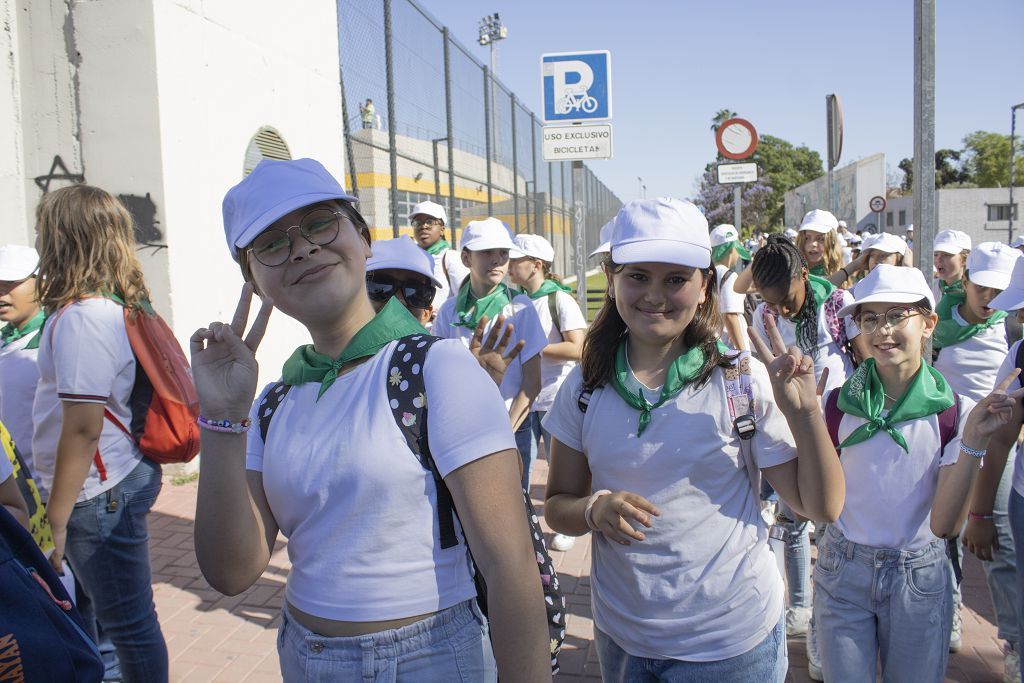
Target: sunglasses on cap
[416,292]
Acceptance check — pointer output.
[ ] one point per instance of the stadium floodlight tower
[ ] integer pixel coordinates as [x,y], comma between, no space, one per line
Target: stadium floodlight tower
[491,31]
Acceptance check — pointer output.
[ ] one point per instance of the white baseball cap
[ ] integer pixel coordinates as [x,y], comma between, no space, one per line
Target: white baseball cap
[952,242]
[890,284]
[429,208]
[990,264]
[791,233]
[723,234]
[606,234]
[887,242]
[489,233]
[1018,241]
[909,228]
[842,224]
[662,230]
[404,254]
[819,220]
[1012,297]
[853,239]
[17,262]
[534,246]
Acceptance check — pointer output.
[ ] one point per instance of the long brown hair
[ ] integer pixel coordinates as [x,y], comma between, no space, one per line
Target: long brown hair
[833,257]
[606,332]
[86,245]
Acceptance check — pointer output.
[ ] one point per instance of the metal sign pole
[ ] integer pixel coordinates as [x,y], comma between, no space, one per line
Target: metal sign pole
[579,221]
[924,137]
[737,198]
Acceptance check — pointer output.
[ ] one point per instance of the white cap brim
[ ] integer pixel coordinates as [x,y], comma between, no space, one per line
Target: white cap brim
[14,273]
[662,251]
[605,248]
[996,279]
[882,297]
[373,264]
[1010,299]
[948,247]
[484,243]
[816,227]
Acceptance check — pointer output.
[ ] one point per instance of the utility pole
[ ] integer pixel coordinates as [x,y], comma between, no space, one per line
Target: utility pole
[1013,165]
[491,31]
[924,137]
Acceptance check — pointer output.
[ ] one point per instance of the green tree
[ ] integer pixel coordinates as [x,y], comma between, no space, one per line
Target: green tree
[949,170]
[784,167]
[986,157]
[721,117]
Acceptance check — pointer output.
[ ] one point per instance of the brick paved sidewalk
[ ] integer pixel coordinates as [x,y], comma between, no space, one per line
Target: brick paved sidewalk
[216,638]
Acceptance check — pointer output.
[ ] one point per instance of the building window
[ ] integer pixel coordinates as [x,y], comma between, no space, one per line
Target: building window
[267,143]
[1001,212]
[888,219]
[903,216]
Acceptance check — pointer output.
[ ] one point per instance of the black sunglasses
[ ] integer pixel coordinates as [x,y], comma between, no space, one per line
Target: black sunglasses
[416,292]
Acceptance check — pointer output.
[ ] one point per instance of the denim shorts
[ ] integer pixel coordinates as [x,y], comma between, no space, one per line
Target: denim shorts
[451,645]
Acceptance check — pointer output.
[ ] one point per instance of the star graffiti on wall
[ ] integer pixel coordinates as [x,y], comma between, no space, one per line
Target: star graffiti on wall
[44,181]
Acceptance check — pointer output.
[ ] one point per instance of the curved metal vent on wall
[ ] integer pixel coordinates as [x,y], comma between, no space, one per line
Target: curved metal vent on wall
[266,144]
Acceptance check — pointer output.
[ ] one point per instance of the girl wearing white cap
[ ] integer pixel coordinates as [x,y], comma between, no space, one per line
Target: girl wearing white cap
[952,247]
[429,221]
[19,343]
[372,590]
[645,453]
[911,449]
[875,250]
[562,321]
[486,248]
[726,251]
[97,485]
[819,243]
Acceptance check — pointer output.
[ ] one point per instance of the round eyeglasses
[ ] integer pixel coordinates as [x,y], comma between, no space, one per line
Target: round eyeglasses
[273,247]
[894,318]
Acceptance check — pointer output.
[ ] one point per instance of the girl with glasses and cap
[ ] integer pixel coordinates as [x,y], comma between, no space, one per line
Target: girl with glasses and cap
[429,221]
[372,589]
[911,449]
[97,485]
[646,454]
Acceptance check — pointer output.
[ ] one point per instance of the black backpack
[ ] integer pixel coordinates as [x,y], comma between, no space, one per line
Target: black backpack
[411,419]
[42,637]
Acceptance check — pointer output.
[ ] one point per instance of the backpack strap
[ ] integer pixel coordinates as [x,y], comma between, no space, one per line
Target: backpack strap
[1019,361]
[553,310]
[271,402]
[833,416]
[949,422]
[837,325]
[739,391]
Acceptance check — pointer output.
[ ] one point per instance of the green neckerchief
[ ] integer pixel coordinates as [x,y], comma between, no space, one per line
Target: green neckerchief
[949,332]
[469,310]
[438,246]
[957,286]
[549,287]
[863,396]
[307,365]
[10,333]
[819,270]
[681,372]
[721,250]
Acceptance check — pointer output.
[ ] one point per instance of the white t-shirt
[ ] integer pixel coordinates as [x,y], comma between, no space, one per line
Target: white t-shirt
[19,374]
[1008,365]
[971,367]
[730,301]
[554,372]
[829,354]
[526,325]
[357,507]
[85,357]
[449,260]
[889,492]
[703,585]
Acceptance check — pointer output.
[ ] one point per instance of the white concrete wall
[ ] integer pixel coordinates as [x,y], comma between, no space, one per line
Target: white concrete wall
[856,184]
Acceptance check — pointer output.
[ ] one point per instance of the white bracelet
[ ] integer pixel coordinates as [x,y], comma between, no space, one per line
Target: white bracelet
[588,512]
[972,452]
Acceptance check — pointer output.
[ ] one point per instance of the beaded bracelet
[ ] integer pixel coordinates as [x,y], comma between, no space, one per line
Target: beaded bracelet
[225,426]
[972,452]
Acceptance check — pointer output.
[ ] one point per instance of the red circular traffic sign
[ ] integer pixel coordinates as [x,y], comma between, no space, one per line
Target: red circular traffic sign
[877,204]
[736,138]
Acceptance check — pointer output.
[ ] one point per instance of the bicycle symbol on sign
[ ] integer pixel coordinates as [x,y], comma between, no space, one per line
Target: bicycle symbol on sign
[577,100]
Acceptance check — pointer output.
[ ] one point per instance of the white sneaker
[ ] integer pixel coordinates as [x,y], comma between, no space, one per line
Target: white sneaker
[956,635]
[562,542]
[797,619]
[1011,664]
[814,671]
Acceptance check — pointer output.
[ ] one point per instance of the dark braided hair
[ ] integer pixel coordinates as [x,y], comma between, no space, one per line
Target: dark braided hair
[776,265]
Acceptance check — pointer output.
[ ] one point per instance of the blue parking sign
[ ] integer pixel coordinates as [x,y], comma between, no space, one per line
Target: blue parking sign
[577,86]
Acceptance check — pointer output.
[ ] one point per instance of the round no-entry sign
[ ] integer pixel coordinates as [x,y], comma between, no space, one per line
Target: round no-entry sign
[736,138]
[877,204]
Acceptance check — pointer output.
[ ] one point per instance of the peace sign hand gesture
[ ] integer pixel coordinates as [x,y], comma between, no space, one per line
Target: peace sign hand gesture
[790,371]
[224,365]
[991,412]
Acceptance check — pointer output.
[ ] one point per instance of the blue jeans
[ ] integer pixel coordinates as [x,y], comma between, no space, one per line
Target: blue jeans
[527,446]
[767,662]
[452,645]
[1017,525]
[798,558]
[881,602]
[108,549]
[1001,572]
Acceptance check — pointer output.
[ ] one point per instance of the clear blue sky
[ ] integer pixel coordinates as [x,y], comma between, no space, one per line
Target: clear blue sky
[676,63]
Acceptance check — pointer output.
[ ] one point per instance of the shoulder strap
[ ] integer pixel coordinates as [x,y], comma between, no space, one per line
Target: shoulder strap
[407,396]
[1019,362]
[739,391]
[833,416]
[444,267]
[553,310]
[270,403]
[949,422]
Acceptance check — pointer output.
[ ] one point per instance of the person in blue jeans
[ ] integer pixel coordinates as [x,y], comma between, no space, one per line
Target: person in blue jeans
[98,486]
[882,579]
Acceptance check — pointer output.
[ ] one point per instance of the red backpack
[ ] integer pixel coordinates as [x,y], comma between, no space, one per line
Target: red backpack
[164,405]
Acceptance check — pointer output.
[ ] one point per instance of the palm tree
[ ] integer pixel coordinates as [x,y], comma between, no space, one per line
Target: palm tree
[721,117]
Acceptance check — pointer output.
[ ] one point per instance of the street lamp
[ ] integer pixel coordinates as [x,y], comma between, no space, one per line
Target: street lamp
[491,31]
[640,186]
[1013,156]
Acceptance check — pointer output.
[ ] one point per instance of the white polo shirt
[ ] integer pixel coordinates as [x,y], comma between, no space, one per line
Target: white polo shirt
[971,367]
[829,354]
[889,492]
[554,372]
[703,585]
[450,272]
[19,375]
[526,325]
[357,507]
[85,357]
[730,301]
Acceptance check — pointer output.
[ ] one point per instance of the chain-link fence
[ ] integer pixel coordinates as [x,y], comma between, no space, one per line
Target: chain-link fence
[424,119]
